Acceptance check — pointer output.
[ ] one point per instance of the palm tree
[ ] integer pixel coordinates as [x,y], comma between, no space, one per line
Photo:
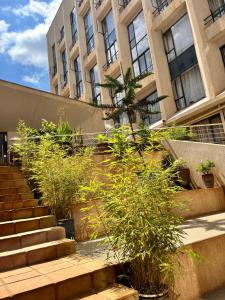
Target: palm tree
[127,103]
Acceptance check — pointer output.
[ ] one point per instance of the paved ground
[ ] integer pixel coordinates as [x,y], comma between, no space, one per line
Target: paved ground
[204,228]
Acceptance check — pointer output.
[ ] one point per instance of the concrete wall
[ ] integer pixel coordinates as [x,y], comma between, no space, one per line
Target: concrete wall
[197,279]
[201,201]
[18,102]
[194,153]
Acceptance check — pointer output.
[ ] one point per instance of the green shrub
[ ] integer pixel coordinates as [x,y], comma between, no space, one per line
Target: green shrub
[205,167]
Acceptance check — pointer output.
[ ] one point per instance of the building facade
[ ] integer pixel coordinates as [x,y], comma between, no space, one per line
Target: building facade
[182,42]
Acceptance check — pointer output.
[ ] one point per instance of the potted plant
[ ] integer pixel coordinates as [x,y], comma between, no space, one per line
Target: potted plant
[205,169]
[137,211]
[182,172]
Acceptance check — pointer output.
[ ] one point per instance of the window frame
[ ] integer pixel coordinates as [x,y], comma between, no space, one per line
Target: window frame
[96,96]
[78,77]
[222,50]
[111,51]
[65,67]
[145,117]
[144,53]
[90,42]
[73,26]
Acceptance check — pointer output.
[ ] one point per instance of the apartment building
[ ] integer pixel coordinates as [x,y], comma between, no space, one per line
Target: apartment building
[182,42]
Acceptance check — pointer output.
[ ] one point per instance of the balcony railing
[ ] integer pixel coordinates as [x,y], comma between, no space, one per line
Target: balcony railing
[97,3]
[123,4]
[160,6]
[215,15]
[110,61]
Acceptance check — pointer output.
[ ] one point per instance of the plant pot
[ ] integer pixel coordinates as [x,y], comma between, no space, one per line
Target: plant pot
[184,176]
[68,224]
[208,180]
[163,295]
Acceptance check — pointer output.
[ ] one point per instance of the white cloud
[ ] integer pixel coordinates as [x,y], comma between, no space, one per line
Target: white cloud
[29,47]
[3,26]
[33,79]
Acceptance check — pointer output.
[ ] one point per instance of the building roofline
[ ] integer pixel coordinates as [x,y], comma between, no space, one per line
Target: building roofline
[54,17]
[41,92]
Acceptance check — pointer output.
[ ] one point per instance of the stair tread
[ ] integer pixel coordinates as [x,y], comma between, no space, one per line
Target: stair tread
[23,208]
[203,228]
[27,233]
[26,279]
[114,292]
[26,220]
[35,247]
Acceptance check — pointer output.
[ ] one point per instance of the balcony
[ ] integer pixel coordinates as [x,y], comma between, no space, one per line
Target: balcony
[160,6]
[215,15]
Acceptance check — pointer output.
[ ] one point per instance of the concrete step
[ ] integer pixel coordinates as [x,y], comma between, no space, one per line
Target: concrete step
[14,190]
[25,225]
[63,279]
[8,169]
[16,197]
[28,256]
[115,292]
[11,176]
[12,183]
[206,237]
[18,204]
[31,238]
[23,213]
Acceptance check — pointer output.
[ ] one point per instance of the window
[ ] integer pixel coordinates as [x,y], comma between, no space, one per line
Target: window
[78,75]
[140,53]
[73,24]
[88,24]
[54,61]
[222,49]
[149,119]
[183,64]
[174,40]
[98,3]
[95,89]
[110,38]
[62,34]
[80,2]
[188,88]
[57,89]
[217,8]
[65,69]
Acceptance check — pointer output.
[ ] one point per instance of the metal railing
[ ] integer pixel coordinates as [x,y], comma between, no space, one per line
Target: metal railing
[215,15]
[123,4]
[160,7]
[205,133]
[110,61]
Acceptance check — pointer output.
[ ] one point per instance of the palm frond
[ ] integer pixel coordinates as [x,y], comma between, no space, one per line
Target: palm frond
[148,111]
[114,114]
[128,76]
[145,102]
[103,106]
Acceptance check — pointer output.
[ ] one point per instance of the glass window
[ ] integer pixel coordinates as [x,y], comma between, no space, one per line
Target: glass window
[65,68]
[149,119]
[140,53]
[222,49]
[62,34]
[110,38]
[78,75]
[96,93]
[188,88]
[73,24]
[174,40]
[88,24]
[54,60]
[57,89]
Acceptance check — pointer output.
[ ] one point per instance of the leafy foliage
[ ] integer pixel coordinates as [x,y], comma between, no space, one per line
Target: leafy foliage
[205,167]
[137,211]
[56,175]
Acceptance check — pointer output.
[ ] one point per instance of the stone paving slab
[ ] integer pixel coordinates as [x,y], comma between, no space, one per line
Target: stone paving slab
[204,228]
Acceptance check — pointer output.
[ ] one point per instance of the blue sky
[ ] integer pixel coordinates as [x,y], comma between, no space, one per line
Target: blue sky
[23,49]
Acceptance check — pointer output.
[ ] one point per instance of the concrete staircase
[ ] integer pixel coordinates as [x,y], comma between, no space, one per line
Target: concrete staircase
[37,261]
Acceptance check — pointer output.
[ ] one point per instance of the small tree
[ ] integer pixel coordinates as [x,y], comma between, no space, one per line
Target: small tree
[127,104]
